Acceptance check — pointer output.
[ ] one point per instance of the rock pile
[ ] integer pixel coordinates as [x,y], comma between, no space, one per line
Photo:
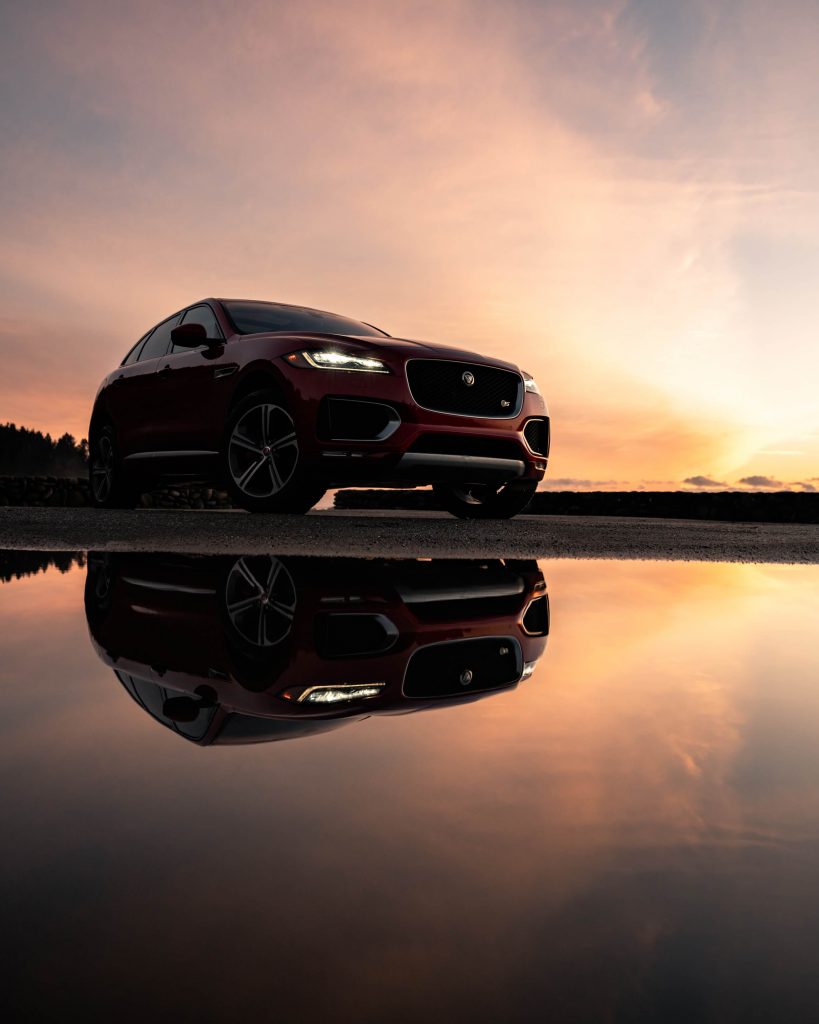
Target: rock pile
[185,497]
[725,506]
[44,490]
[72,492]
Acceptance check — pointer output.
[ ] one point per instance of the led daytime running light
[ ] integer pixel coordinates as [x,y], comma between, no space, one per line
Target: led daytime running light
[339,694]
[324,359]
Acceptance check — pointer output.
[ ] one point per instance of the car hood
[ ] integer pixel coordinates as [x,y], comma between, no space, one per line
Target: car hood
[407,347]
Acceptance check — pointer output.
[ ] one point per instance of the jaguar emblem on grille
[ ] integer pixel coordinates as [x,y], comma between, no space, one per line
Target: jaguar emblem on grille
[468,378]
[466,677]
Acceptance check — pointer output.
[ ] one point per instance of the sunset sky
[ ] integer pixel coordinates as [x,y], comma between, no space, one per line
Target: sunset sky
[622,197]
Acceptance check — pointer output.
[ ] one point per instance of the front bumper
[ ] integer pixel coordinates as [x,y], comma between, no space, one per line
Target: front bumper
[415,445]
[442,466]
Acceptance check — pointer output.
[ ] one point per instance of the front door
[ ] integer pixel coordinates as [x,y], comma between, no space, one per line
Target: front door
[191,390]
[135,396]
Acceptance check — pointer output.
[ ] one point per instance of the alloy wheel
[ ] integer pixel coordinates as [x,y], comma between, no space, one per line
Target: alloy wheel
[102,468]
[260,598]
[474,494]
[263,450]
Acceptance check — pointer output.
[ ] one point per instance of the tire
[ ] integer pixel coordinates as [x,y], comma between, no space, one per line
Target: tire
[259,599]
[109,484]
[100,580]
[261,458]
[485,501]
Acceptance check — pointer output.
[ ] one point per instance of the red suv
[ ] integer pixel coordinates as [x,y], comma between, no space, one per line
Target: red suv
[280,403]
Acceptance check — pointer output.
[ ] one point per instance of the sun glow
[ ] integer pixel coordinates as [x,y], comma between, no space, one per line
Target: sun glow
[545,184]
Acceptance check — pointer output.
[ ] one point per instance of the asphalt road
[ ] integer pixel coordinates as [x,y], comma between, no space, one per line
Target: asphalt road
[404,535]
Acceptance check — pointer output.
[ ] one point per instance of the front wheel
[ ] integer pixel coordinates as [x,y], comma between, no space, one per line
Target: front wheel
[486,501]
[108,482]
[262,458]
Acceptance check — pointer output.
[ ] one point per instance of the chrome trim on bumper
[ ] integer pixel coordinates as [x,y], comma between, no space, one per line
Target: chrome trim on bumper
[462,465]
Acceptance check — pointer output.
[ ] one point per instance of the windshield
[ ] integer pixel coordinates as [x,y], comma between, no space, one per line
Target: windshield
[262,317]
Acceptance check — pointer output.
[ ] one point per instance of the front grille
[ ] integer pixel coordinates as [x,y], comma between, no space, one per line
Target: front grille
[537,436]
[467,444]
[440,385]
[462,667]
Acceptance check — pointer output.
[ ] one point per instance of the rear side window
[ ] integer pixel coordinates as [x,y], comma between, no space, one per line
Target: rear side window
[157,344]
[133,355]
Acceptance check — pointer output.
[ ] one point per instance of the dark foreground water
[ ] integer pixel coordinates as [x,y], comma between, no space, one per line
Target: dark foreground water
[305,790]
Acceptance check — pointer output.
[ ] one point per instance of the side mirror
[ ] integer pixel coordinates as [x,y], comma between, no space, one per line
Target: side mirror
[192,336]
[180,709]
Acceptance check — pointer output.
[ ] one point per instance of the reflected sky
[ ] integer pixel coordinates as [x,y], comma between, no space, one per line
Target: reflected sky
[632,832]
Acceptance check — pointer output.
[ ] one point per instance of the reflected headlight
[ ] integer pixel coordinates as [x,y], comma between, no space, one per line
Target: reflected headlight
[528,669]
[332,359]
[530,385]
[335,694]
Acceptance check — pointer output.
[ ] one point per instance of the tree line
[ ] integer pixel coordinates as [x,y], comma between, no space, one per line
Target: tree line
[25,452]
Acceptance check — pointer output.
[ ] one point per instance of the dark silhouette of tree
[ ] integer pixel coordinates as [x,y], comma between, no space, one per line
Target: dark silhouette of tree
[25,452]
[17,564]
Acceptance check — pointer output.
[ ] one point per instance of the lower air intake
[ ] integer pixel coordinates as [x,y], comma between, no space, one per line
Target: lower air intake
[537,436]
[348,419]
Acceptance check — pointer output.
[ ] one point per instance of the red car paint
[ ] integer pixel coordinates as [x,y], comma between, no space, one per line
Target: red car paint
[164,624]
[169,413]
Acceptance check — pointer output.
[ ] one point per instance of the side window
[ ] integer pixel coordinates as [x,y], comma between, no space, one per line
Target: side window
[151,696]
[205,316]
[133,355]
[157,344]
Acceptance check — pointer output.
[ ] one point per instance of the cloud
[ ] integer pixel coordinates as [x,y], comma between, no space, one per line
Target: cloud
[703,481]
[572,483]
[479,180]
[805,486]
[762,482]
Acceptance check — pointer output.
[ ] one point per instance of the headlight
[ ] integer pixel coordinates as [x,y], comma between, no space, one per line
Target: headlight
[335,694]
[530,385]
[332,359]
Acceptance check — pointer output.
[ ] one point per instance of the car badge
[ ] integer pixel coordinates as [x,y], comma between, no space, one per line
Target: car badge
[468,378]
[466,677]
[505,403]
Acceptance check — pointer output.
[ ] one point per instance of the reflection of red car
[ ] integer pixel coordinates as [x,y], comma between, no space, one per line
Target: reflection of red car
[225,650]
[281,402]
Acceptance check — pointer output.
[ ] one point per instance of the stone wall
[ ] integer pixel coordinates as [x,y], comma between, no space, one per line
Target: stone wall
[50,491]
[726,506]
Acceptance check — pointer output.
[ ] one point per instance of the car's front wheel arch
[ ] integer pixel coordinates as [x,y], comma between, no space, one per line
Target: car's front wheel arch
[258,377]
[109,484]
[262,460]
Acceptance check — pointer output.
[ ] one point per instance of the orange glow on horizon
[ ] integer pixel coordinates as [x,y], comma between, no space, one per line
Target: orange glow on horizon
[545,183]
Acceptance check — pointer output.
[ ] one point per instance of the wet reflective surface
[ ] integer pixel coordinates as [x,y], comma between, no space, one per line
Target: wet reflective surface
[629,833]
